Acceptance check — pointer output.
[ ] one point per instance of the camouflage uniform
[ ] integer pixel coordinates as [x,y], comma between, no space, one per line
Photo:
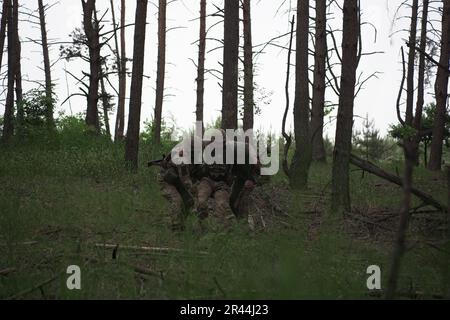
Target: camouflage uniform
[176,188]
[213,182]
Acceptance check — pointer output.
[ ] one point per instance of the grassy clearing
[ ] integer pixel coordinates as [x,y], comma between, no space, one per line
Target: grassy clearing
[57,200]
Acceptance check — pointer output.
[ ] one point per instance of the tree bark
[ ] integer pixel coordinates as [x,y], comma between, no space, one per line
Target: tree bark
[410,158]
[91,30]
[8,119]
[161,72]
[47,66]
[421,78]
[318,100]
[343,145]
[249,102]
[105,103]
[134,119]
[18,69]
[302,158]
[121,70]
[230,66]
[201,64]
[441,91]
[411,64]
[3,25]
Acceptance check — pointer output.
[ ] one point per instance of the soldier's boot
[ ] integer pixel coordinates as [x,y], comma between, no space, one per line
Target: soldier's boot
[204,192]
[175,207]
[223,208]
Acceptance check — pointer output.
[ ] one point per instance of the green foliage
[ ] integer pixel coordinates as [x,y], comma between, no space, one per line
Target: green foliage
[35,106]
[168,131]
[401,132]
[428,122]
[368,141]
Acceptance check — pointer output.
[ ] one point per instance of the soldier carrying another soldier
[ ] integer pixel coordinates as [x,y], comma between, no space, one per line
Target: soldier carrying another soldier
[218,190]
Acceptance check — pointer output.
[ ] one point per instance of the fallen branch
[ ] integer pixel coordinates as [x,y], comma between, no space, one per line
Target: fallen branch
[375,170]
[36,287]
[150,249]
[148,272]
[7,271]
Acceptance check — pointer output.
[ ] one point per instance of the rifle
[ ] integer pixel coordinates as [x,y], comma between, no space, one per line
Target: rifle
[159,162]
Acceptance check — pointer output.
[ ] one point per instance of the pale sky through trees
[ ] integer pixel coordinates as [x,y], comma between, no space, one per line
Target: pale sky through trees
[378,99]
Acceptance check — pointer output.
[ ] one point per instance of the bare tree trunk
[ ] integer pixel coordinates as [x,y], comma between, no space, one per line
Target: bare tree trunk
[399,249]
[91,30]
[287,137]
[8,119]
[161,72]
[105,103]
[410,158]
[249,102]
[441,90]
[230,66]
[318,100]
[421,80]
[134,119]
[343,145]
[18,69]
[302,158]
[3,25]
[121,69]
[201,64]
[47,67]
[411,64]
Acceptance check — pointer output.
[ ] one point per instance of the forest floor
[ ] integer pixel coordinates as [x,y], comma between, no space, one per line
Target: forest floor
[76,205]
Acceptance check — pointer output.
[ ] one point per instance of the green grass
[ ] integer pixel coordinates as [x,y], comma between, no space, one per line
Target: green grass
[68,196]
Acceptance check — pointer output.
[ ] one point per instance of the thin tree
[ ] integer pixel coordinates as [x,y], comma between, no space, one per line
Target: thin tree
[318,100]
[410,158]
[441,92]
[122,70]
[3,25]
[91,30]
[422,67]
[161,70]
[343,141]
[249,102]
[18,68]
[8,119]
[134,119]
[47,66]
[201,64]
[302,158]
[230,66]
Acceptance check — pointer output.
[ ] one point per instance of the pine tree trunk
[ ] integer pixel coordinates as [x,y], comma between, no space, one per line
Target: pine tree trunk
[249,102]
[318,100]
[302,158]
[3,25]
[421,79]
[47,66]
[105,103]
[18,69]
[8,119]
[121,69]
[410,159]
[343,145]
[91,30]
[134,119]
[411,64]
[201,64]
[161,72]
[230,66]
[441,90]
